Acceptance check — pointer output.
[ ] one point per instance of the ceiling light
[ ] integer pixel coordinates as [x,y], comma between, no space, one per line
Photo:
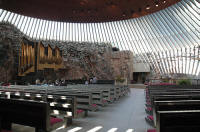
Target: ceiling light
[148,7]
[164,1]
[156,3]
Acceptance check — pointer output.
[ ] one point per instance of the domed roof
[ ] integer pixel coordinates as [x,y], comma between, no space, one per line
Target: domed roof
[85,10]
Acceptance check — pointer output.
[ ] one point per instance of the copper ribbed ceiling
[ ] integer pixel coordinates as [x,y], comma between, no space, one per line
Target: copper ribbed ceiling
[85,10]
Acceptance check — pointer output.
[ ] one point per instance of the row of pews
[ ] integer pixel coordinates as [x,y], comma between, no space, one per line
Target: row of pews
[49,107]
[173,108]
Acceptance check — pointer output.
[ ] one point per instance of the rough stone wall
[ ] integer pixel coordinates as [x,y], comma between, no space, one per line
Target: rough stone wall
[105,65]
[9,40]
[122,63]
[6,60]
[86,61]
[81,60]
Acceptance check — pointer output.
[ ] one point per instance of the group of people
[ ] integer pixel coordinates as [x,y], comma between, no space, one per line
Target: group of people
[91,81]
[57,82]
[62,82]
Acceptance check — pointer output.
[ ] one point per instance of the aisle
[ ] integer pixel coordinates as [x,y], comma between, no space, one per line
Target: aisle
[125,115]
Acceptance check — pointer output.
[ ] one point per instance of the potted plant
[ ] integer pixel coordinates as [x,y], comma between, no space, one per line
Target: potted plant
[184,82]
[120,81]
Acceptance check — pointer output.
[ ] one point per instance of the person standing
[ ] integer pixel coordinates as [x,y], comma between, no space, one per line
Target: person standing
[94,80]
[91,80]
[86,82]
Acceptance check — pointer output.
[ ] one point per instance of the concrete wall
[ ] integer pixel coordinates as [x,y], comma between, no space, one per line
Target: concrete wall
[141,67]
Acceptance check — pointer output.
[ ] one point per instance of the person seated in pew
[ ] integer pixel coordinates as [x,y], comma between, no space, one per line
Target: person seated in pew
[57,82]
[50,82]
[63,83]
[37,82]
[44,82]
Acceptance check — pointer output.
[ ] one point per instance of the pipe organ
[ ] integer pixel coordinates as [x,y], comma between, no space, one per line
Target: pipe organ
[34,56]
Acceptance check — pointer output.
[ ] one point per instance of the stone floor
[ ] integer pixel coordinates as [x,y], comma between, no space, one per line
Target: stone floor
[125,115]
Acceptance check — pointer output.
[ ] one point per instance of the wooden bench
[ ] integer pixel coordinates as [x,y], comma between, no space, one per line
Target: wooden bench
[66,108]
[174,105]
[28,113]
[87,97]
[178,121]
[170,104]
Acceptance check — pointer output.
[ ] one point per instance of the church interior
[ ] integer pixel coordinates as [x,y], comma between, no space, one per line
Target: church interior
[100,66]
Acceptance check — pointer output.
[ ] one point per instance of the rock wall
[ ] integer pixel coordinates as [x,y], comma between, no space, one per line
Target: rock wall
[122,63]
[105,65]
[81,60]
[7,69]
[9,40]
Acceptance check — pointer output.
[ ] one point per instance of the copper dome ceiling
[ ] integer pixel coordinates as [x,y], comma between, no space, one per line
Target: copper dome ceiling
[85,10]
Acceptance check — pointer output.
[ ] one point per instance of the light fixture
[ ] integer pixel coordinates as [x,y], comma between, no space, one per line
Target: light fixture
[147,7]
[156,2]
[164,1]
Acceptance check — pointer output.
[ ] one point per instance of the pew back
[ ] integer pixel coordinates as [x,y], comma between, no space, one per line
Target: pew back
[29,113]
[179,121]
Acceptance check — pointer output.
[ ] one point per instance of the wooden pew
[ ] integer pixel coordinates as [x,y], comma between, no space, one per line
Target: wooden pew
[105,91]
[178,121]
[173,99]
[28,113]
[57,105]
[83,100]
[174,105]
[153,92]
[97,94]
